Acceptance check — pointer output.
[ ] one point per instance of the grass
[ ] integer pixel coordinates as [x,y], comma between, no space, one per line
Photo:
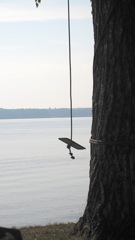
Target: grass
[50,232]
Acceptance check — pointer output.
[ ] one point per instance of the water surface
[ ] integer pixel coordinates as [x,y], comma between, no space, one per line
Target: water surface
[39,182]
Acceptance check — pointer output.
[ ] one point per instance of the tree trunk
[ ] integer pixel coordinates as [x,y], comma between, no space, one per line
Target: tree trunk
[110,210]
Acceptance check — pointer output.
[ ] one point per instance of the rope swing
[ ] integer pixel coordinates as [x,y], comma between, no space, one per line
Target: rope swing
[70,143]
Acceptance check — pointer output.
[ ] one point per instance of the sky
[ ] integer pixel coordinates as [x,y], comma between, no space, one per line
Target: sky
[34,64]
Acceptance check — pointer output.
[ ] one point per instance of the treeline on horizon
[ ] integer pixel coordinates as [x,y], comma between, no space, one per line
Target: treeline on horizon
[44,113]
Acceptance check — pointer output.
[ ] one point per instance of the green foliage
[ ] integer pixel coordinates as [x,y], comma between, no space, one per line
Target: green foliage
[37,2]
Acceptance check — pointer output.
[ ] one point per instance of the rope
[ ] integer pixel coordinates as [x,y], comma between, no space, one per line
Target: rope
[100,142]
[70,70]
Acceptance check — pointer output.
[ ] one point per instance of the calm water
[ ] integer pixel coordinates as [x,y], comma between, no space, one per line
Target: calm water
[39,182]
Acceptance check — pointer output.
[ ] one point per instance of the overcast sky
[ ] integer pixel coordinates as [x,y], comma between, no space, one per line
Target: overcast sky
[34,71]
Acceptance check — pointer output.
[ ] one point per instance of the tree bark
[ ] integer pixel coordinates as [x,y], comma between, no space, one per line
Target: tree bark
[110,210]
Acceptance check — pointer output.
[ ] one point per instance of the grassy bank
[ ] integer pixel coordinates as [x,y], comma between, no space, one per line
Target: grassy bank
[49,232]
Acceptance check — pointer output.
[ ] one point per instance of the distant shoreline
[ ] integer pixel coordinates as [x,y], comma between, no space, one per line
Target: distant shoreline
[27,113]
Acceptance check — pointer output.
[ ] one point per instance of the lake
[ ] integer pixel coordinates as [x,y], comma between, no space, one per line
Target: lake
[39,182]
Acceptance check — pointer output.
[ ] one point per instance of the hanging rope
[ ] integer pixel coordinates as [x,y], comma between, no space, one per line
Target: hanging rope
[70,143]
[37,2]
[70,70]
